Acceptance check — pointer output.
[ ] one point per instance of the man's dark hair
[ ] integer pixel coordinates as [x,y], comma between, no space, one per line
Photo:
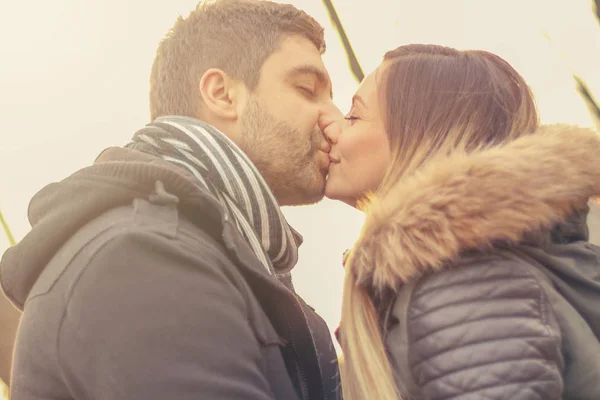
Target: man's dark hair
[236,36]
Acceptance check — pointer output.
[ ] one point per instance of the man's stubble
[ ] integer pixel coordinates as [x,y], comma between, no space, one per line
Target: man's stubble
[284,156]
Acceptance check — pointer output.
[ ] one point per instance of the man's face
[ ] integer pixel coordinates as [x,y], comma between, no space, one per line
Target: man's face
[280,124]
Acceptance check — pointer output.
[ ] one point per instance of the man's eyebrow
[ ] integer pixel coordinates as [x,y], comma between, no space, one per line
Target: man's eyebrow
[311,69]
[357,99]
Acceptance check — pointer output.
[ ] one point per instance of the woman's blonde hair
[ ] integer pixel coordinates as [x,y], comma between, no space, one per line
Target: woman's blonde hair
[436,100]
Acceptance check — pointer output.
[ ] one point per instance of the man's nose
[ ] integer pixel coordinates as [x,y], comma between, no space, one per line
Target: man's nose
[330,122]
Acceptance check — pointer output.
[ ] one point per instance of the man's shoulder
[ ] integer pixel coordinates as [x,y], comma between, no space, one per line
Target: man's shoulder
[156,236]
[129,261]
[150,300]
[165,226]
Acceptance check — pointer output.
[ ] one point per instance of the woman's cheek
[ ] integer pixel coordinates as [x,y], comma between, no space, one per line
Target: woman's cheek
[349,146]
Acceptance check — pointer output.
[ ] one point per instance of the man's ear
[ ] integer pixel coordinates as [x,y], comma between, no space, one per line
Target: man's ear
[220,94]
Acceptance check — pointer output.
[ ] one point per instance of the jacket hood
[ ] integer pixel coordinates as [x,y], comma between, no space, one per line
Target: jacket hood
[118,176]
[469,201]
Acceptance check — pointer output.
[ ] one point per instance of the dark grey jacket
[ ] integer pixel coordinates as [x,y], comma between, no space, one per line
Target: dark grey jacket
[136,286]
[507,324]
[497,288]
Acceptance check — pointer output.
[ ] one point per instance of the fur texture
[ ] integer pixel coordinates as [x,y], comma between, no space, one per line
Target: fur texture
[468,201]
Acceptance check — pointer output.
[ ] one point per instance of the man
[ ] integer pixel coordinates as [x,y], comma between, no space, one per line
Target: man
[162,271]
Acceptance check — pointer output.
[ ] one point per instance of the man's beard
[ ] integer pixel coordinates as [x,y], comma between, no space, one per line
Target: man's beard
[283,155]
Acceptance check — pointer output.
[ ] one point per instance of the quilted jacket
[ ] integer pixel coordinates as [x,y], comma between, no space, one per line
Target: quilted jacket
[494,287]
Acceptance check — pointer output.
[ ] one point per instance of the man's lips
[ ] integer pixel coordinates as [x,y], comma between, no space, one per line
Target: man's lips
[325,147]
[325,158]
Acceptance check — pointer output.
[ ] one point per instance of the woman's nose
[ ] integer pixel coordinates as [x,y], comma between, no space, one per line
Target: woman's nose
[330,123]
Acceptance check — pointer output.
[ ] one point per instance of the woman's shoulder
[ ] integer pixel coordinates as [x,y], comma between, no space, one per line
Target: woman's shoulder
[489,278]
[473,274]
[476,324]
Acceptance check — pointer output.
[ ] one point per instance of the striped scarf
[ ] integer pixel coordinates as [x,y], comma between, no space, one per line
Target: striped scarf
[223,169]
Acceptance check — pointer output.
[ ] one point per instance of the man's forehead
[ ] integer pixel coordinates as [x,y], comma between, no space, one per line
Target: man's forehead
[296,56]
[294,53]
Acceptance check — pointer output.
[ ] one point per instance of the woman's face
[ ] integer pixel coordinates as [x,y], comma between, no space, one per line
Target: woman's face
[360,150]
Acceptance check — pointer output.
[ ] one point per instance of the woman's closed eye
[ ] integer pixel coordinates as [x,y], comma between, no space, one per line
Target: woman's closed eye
[351,118]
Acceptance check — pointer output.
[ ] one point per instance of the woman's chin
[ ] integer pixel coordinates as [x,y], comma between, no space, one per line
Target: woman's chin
[333,193]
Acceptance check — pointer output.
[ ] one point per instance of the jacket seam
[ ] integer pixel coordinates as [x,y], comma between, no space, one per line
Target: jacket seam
[460,323]
[495,386]
[72,289]
[461,370]
[469,301]
[523,337]
[448,285]
[72,257]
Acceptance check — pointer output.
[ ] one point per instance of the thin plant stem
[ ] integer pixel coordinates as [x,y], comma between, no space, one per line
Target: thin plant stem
[9,235]
[335,19]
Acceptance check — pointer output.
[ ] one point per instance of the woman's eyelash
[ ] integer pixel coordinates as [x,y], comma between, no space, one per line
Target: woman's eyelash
[350,117]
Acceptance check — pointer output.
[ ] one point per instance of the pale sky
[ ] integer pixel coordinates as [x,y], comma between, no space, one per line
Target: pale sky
[74,80]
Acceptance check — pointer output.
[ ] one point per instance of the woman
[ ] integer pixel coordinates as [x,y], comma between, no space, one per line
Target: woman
[472,277]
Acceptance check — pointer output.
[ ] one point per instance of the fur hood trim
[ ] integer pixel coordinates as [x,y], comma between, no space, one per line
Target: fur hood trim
[469,201]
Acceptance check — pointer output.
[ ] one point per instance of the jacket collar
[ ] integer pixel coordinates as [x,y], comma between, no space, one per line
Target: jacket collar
[471,201]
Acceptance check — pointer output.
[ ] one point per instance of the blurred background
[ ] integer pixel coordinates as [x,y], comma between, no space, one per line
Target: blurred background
[74,80]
